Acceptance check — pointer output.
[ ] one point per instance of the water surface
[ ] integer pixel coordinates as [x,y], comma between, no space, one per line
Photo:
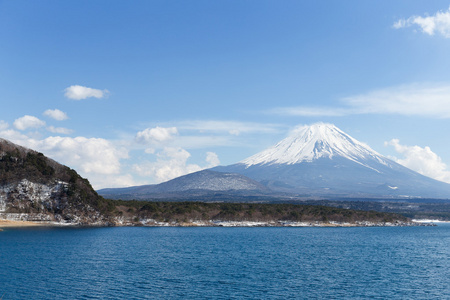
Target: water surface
[225,263]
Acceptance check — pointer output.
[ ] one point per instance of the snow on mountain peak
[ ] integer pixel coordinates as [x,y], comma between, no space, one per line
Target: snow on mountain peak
[308,143]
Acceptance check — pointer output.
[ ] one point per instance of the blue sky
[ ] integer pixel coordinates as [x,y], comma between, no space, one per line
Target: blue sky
[138,92]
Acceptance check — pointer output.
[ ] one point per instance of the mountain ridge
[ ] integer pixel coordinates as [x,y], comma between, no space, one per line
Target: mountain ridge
[201,183]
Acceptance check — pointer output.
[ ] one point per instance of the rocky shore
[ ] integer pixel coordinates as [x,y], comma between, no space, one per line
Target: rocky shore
[218,223]
[31,220]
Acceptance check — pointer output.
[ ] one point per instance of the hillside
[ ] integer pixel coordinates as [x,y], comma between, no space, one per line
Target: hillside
[206,184]
[34,187]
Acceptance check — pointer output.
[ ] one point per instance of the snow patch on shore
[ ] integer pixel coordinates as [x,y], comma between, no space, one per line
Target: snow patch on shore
[429,221]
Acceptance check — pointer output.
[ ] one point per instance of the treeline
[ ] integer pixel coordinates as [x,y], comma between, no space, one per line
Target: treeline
[15,166]
[189,211]
[435,209]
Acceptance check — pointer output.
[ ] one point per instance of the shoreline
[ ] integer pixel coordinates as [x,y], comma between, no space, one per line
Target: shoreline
[152,223]
[10,223]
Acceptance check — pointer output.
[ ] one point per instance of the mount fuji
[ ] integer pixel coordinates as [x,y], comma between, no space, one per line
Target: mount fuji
[322,160]
[314,161]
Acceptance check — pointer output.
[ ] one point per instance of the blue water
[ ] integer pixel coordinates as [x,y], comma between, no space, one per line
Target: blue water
[225,263]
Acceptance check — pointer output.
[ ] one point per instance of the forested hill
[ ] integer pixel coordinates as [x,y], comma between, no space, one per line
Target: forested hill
[33,186]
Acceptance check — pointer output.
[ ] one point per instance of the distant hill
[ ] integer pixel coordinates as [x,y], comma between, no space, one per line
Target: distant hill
[34,187]
[206,183]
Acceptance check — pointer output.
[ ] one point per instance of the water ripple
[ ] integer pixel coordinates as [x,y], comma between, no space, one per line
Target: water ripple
[225,263]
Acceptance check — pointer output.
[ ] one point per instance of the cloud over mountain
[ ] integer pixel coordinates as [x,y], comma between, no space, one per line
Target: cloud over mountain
[230,127]
[212,159]
[90,155]
[172,162]
[421,160]
[428,100]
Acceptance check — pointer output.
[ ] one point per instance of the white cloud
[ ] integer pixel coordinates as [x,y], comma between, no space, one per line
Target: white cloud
[16,136]
[87,155]
[414,99]
[206,141]
[27,121]
[421,160]
[172,162]
[235,132]
[13,136]
[429,100]
[230,127]
[59,130]
[203,134]
[305,111]
[438,23]
[150,151]
[100,181]
[78,92]
[56,114]
[212,159]
[156,135]
[3,125]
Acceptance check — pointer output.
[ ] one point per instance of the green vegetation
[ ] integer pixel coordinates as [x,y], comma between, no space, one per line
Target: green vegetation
[15,166]
[38,161]
[177,211]
[434,209]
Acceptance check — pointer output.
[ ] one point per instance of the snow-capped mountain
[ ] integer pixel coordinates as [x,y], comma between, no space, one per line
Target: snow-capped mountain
[310,143]
[323,160]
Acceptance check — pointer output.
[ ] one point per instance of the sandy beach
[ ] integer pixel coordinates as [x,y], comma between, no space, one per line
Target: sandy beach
[8,223]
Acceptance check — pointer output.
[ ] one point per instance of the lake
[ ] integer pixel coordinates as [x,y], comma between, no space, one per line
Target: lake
[225,263]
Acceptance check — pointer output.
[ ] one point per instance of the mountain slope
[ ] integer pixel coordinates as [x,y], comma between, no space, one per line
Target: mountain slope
[201,183]
[34,187]
[322,160]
